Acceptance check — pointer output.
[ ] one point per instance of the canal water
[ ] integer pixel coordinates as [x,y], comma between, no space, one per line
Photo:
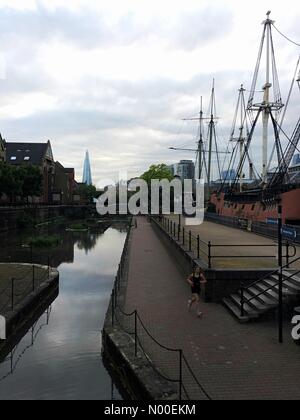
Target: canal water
[60,356]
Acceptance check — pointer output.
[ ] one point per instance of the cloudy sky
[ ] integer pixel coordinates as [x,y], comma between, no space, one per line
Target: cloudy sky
[116,77]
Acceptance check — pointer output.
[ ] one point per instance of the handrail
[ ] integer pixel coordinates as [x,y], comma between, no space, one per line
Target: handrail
[267,276]
[272,272]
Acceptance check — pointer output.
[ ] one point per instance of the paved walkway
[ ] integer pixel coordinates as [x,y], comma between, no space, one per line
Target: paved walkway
[231,360]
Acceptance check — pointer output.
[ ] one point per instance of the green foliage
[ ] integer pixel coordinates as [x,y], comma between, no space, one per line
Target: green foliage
[44,241]
[25,221]
[31,180]
[88,192]
[78,226]
[160,171]
[24,181]
[10,180]
[211,208]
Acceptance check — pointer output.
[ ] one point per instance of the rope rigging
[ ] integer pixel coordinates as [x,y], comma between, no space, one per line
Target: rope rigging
[284,36]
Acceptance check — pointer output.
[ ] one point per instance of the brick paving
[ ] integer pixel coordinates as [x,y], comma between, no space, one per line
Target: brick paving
[231,360]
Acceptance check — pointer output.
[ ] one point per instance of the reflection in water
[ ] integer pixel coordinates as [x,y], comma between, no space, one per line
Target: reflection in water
[87,242]
[65,361]
[16,353]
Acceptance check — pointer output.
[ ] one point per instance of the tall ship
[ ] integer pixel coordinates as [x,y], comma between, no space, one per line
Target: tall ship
[255,182]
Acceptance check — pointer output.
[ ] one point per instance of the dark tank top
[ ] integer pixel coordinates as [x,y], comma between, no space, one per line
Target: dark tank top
[196,280]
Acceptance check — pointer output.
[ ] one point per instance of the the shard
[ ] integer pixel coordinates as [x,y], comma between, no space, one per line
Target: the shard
[87,174]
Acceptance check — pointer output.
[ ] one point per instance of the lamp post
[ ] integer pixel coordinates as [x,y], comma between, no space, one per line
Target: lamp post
[280,283]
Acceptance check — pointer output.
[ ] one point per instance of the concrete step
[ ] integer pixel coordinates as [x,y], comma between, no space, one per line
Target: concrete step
[255,303]
[251,312]
[263,297]
[293,278]
[286,290]
[235,310]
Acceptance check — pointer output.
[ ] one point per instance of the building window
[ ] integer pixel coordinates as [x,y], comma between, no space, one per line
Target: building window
[13,158]
[26,157]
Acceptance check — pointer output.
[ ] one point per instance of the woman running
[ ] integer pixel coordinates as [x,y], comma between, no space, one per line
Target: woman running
[195,280]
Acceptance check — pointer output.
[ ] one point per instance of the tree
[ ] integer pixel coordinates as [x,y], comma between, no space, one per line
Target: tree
[88,192]
[21,181]
[10,181]
[160,171]
[32,180]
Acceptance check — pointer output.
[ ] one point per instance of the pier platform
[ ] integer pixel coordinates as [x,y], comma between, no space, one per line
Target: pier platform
[231,247]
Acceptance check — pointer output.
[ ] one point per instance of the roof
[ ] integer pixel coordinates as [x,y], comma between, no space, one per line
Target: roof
[69,170]
[33,153]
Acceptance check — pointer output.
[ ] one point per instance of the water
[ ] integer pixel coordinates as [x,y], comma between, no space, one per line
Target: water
[62,359]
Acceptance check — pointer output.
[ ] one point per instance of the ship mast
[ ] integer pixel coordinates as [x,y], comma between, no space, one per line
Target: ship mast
[267,106]
[212,140]
[200,153]
[243,131]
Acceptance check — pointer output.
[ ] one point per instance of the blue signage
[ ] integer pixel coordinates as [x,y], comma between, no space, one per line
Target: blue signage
[271,221]
[290,233]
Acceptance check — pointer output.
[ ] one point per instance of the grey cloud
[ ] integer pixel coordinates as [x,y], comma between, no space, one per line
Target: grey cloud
[90,29]
[196,28]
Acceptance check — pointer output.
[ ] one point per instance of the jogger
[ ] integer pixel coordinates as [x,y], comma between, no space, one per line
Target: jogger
[195,280]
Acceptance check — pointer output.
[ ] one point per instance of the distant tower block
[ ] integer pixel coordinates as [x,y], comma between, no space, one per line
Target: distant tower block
[87,174]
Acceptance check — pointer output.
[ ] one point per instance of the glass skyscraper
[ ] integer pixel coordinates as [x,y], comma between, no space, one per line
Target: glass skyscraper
[87,174]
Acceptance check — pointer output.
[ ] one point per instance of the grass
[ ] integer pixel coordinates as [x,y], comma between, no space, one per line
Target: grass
[78,226]
[44,241]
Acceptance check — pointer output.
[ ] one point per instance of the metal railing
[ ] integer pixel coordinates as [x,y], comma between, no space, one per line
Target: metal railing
[244,289]
[260,228]
[19,288]
[141,333]
[205,250]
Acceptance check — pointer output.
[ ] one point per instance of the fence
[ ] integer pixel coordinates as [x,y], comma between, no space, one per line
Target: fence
[188,384]
[17,288]
[260,228]
[207,251]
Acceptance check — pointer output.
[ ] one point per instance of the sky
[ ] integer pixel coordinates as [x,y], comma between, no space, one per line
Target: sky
[117,77]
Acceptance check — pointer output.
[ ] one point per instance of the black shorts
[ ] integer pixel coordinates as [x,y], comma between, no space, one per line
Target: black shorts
[196,289]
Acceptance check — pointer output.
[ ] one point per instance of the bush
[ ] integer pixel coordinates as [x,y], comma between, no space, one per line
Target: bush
[25,221]
[78,226]
[44,241]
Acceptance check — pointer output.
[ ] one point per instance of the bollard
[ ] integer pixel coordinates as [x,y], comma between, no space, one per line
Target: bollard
[180,375]
[135,333]
[48,267]
[12,293]
[112,308]
[242,300]
[198,247]
[33,278]
[190,240]
[209,254]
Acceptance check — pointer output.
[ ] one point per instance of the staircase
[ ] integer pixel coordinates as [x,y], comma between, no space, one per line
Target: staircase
[262,296]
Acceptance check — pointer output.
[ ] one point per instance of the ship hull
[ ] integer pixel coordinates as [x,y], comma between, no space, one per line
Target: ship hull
[260,211]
